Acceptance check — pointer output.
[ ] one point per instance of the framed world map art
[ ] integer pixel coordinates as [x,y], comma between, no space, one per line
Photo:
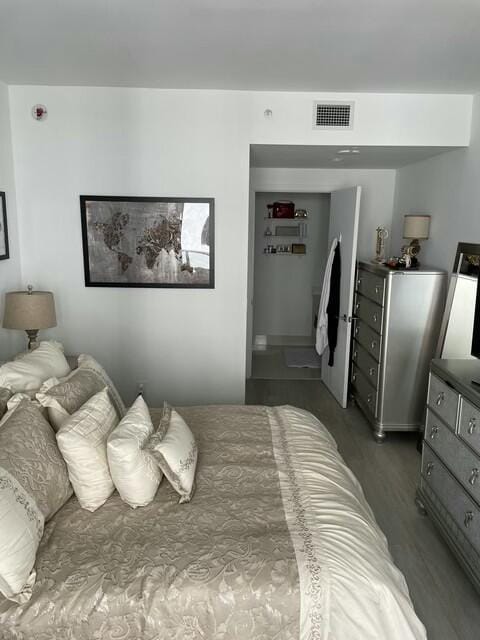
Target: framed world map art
[148,242]
[4,252]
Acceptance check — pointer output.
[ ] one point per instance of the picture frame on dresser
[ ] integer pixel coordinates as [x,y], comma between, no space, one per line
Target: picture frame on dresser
[149,242]
[4,248]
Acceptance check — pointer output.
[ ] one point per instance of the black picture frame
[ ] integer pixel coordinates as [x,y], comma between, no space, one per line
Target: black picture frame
[4,227]
[201,278]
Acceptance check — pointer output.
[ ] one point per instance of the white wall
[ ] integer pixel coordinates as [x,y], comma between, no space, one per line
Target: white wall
[283,283]
[189,346]
[447,187]
[378,191]
[10,276]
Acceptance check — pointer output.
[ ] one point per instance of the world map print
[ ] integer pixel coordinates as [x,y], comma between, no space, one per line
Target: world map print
[145,243]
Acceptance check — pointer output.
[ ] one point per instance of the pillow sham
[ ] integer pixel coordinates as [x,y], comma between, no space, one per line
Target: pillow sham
[4,397]
[175,450]
[83,442]
[31,369]
[64,397]
[33,486]
[135,473]
[89,363]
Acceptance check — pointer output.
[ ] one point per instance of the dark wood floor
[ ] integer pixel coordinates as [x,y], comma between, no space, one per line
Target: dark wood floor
[443,596]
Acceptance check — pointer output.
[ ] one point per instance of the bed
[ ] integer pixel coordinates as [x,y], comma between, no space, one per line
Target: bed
[277,543]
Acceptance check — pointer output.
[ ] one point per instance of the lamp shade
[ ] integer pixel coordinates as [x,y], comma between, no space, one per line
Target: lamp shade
[416,226]
[29,310]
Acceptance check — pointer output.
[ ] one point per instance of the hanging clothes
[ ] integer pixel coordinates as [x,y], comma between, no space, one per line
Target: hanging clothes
[333,307]
[321,340]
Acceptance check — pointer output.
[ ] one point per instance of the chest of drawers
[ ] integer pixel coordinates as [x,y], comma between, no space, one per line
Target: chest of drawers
[449,487]
[397,317]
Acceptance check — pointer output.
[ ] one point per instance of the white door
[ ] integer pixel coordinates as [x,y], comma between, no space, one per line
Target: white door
[344,211]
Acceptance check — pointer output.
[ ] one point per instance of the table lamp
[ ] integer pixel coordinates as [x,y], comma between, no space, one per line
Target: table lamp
[415,227]
[31,311]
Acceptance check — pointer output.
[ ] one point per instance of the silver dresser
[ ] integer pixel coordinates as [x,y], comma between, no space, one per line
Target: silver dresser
[397,316]
[449,488]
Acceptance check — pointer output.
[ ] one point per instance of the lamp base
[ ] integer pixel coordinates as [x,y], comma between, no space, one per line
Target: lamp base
[32,338]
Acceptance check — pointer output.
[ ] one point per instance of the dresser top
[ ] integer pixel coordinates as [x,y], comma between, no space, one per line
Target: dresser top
[460,373]
[384,271]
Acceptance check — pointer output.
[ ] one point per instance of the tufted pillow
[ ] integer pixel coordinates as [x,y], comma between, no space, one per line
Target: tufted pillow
[33,486]
[135,473]
[83,442]
[173,447]
[29,370]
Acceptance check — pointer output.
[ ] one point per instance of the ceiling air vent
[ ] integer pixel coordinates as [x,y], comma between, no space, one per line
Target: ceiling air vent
[333,115]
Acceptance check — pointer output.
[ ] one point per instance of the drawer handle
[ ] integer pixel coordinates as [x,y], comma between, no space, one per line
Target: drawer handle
[474,477]
[359,282]
[369,398]
[468,518]
[373,344]
[472,424]
[377,289]
[357,306]
[440,398]
[355,355]
[429,468]
[354,377]
[434,432]
[375,317]
[371,371]
[357,330]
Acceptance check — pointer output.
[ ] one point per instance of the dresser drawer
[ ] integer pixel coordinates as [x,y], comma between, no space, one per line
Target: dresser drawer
[371,285]
[369,311]
[366,363]
[443,400]
[462,461]
[368,338]
[469,424]
[456,501]
[364,390]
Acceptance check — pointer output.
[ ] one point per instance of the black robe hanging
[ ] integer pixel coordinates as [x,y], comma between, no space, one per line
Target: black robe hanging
[333,307]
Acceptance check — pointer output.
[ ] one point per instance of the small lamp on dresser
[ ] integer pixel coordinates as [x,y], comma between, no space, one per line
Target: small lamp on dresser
[415,227]
[31,311]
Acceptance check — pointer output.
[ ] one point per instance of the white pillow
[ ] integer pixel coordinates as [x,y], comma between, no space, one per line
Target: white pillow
[174,448]
[82,439]
[31,369]
[134,471]
[21,529]
[89,363]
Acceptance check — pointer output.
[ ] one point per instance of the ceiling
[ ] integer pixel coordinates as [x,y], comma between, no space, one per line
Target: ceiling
[315,45]
[334,157]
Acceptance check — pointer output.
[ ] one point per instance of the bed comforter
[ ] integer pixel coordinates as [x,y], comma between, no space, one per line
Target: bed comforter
[277,543]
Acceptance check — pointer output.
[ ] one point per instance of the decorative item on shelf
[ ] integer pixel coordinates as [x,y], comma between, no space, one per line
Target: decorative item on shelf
[382,235]
[31,311]
[282,209]
[301,213]
[268,231]
[415,227]
[4,252]
[287,230]
[299,249]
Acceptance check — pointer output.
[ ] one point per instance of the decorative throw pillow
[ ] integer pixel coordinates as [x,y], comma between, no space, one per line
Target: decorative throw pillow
[135,472]
[33,486]
[89,363]
[30,370]
[4,397]
[174,448]
[64,397]
[83,442]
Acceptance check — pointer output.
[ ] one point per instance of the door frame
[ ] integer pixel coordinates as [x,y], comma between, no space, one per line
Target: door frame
[269,187]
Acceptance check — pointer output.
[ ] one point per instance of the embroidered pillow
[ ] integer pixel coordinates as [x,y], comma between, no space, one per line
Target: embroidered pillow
[134,470]
[174,448]
[64,397]
[89,363]
[30,370]
[33,486]
[83,442]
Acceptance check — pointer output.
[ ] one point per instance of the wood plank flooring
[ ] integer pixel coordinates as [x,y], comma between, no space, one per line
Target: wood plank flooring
[443,597]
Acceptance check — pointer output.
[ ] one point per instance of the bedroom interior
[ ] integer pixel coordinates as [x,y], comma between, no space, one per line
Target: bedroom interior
[188,233]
